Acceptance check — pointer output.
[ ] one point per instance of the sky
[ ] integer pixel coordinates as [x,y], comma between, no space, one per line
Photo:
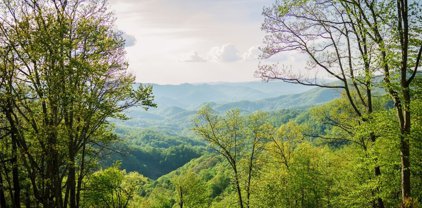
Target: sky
[192,41]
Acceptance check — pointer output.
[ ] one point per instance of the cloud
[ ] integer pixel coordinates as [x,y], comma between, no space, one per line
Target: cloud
[193,57]
[189,25]
[130,40]
[225,53]
[252,54]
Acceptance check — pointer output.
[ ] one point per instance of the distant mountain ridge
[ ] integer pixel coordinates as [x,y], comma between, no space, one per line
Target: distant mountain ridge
[177,104]
[190,96]
[309,98]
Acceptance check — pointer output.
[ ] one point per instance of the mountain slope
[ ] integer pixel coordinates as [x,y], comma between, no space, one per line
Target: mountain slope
[309,98]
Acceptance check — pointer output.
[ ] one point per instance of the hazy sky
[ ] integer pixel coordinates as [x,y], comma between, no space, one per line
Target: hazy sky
[178,41]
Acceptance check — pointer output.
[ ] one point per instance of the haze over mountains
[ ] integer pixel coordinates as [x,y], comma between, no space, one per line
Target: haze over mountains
[190,96]
[178,103]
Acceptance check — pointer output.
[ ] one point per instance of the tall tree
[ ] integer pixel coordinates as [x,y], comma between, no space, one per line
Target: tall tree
[350,41]
[238,140]
[336,45]
[68,77]
[395,28]
[225,136]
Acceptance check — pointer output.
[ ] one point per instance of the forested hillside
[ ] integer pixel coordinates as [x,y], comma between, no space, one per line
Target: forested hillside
[304,158]
[334,121]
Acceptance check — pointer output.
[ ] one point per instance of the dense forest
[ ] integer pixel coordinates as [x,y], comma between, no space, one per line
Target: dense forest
[77,131]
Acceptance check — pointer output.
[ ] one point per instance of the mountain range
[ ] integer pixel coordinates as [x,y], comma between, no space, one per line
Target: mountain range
[178,103]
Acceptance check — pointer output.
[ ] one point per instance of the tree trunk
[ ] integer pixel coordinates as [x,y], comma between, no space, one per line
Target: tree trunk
[54,188]
[81,174]
[14,160]
[239,191]
[180,197]
[380,203]
[405,171]
[2,197]
[71,181]
[15,174]
[250,169]
[27,197]
[377,170]
[404,111]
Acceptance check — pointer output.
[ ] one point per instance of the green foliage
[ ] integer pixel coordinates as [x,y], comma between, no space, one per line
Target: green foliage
[151,153]
[295,168]
[64,87]
[159,198]
[191,191]
[63,76]
[112,187]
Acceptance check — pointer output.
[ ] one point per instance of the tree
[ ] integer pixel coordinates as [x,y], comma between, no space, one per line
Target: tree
[288,136]
[336,46]
[399,55]
[159,198]
[112,187]
[9,127]
[238,140]
[351,41]
[296,172]
[191,191]
[225,136]
[66,75]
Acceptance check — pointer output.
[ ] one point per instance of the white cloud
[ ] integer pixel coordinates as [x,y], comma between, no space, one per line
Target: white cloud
[193,57]
[165,38]
[225,53]
[252,54]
